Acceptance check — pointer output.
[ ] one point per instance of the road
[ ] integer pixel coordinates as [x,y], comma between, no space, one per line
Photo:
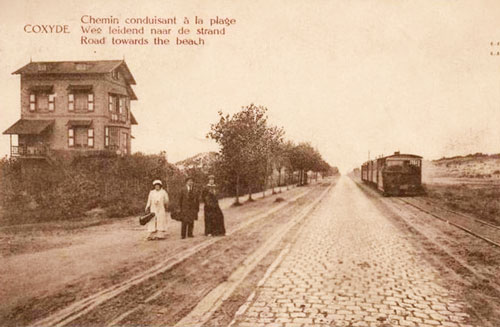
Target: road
[351,266]
[329,254]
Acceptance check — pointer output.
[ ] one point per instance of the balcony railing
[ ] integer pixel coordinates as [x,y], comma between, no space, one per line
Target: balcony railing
[29,150]
[118,118]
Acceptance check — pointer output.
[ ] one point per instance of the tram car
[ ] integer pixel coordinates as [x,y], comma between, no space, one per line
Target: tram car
[397,174]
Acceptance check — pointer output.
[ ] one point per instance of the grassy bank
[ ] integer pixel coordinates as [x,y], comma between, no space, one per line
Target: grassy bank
[482,201]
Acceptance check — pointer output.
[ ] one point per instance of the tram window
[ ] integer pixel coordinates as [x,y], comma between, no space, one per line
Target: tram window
[394,163]
[415,163]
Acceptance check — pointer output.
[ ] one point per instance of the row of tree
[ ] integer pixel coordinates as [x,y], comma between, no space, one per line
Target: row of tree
[251,150]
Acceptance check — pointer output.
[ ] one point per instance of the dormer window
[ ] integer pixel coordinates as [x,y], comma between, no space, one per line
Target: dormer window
[42,67]
[82,66]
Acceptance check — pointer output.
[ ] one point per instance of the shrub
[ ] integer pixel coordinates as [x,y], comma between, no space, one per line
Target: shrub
[68,189]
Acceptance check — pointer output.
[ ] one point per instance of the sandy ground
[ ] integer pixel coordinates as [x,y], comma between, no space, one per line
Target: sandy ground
[71,264]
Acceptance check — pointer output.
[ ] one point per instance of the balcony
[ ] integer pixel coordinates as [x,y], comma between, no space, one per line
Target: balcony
[29,151]
[119,118]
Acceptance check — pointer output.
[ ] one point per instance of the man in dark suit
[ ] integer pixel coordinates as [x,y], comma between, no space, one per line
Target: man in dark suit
[189,205]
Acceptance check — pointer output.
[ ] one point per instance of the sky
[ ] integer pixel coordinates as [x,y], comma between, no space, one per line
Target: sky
[353,77]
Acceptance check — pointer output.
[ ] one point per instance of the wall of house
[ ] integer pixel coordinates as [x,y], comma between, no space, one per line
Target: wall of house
[103,85]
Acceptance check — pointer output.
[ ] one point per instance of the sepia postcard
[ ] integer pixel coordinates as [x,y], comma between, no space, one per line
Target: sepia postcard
[250,163]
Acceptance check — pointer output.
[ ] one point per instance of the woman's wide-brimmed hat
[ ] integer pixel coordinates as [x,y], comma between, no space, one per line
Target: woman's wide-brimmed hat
[157,182]
[211,177]
[189,178]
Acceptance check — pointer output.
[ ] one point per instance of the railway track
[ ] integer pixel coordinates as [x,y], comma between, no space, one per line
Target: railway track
[476,227]
[479,280]
[456,264]
[80,308]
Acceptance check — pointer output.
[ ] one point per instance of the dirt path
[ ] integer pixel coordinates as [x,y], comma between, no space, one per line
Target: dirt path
[83,261]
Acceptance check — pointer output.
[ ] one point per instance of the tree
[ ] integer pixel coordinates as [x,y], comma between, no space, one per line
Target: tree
[273,141]
[241,139]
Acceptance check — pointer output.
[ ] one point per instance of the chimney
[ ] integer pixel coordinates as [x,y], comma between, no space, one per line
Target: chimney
[396,153]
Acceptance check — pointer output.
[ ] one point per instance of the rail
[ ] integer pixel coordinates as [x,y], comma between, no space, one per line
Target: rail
[468,230]
[29,150]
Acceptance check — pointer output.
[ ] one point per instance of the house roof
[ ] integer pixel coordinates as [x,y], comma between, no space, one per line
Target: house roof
[133,121]
[131,93]
[29,127]
[70,67]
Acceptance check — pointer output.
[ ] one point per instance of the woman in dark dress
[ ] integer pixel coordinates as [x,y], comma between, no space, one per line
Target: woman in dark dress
[214,219]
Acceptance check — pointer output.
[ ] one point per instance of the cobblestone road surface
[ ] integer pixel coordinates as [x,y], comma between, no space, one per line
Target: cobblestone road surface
[351,267]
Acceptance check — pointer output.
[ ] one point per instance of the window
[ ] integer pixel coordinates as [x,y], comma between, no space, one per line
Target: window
[123,112]
[112,137]
[71,137]
[42,102]
[71,102]
[391,163]
[42,67]
[121,106]
[81,102]
[127,109]
[114,105]
[124,143]
[115,74]
[52,103]
[90,137]
[82,66]
[90,102]
[32,102]
[106,136]
[415,163]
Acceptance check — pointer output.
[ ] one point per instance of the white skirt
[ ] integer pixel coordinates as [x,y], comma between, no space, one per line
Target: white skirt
[160,221]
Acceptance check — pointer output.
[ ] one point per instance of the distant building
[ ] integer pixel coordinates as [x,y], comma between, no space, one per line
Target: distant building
[74,107]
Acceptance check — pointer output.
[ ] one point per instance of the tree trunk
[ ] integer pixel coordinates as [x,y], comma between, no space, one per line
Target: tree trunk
[265,181]
[279,179]
[264,187]
[237,201]
[250,192]
[272,185]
